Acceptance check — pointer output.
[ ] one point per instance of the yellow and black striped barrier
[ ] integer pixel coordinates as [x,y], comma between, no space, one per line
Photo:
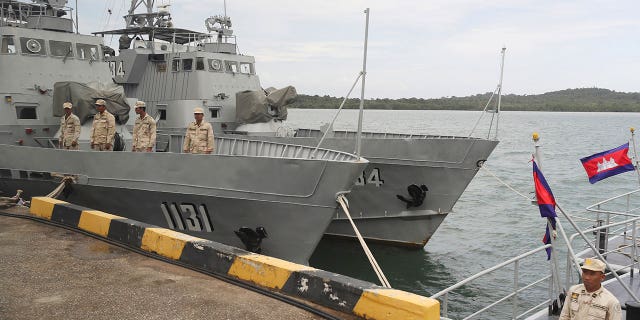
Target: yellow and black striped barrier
[342,293]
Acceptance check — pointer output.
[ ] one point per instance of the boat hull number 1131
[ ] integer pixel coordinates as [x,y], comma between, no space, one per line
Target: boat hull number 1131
[374,177]
[186,216]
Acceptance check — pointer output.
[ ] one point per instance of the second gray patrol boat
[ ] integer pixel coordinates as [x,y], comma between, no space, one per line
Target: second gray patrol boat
[411,184]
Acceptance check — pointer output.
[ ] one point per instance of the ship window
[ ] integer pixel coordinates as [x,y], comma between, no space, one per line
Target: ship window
[7,45]
[245,68]
[175,65]
[199,63]
[60,48]
[187,64]
[215,112]
[26,112]
[87,51]
[215,65]
[161,66]
[231,66]
[32,46]
[162,111]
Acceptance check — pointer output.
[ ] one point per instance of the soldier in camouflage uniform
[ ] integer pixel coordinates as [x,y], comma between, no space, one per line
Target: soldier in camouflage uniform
[69,129]
[103,129]
[199,136]
[144,131]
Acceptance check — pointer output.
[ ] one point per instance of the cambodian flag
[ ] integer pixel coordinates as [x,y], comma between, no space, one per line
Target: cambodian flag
[546,203]
[607,163]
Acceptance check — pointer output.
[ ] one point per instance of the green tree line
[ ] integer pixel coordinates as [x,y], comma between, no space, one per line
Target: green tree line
[577,100]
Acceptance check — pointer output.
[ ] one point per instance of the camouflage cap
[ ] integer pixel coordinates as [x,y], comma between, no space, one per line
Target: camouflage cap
[141,104]
[100,102]
[198,110]
[593,265]
[67,105]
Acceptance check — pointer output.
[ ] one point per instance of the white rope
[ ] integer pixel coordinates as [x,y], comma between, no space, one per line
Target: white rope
[58,190]
[484,166]
[376,268]
[6,202]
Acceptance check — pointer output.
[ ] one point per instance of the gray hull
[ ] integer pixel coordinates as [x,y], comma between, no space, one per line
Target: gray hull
[208,196]
[446,165]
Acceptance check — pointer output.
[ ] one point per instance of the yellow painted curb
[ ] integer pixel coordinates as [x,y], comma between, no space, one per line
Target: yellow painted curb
[165,242]
[263,270]
[43,206]
[392,304]
[96,222]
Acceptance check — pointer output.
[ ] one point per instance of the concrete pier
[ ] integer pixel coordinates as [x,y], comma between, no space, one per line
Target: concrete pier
[346,297]
[47,272]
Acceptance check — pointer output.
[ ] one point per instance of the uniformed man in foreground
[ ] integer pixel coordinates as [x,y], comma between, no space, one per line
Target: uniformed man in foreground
[103,129]
[69,128]
[590,300]
[199,136]
[144,131]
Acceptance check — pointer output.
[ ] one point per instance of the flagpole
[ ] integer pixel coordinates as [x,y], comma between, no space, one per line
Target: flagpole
[536,144]
[635,153]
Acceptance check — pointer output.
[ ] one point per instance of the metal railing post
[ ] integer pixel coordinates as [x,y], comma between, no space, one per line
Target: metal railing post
[445,304]
[634,250]
[600,239]
[515,288]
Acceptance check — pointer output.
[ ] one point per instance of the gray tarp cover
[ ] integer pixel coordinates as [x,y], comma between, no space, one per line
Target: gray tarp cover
[253,106]
[84,95]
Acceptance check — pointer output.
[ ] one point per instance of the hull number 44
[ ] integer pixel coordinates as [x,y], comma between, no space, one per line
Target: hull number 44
[187,216]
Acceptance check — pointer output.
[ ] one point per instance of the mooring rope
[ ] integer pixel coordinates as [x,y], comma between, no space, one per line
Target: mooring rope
[484,167]
[58,190]
[376,268]
[6,202]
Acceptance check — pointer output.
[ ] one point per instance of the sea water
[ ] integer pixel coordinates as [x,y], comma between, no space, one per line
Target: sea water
[490,223]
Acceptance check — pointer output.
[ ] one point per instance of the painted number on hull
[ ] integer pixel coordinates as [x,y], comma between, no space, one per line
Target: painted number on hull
[116,68]
[187,217]
[373,178]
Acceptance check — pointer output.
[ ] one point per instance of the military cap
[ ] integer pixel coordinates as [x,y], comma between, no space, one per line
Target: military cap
[100,102]
[593,265]
[67,105]
[198,110]
[140,104]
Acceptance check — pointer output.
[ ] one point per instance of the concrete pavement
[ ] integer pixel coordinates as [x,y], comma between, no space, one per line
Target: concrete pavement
[54,273]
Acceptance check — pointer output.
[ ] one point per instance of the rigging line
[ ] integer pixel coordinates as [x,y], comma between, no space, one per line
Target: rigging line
[117,15]
[107,16]
[484,166]
[104,10]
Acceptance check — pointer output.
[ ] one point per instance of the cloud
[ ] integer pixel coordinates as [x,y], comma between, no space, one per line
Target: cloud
[423,48]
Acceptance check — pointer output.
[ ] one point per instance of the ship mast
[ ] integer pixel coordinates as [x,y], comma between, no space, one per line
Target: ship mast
[129,19]
[364,74]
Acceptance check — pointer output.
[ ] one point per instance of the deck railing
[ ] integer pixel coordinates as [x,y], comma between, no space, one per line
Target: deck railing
[616,222]
[513,295]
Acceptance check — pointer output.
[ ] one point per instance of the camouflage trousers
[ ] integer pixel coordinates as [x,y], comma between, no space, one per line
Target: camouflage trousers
[102,147]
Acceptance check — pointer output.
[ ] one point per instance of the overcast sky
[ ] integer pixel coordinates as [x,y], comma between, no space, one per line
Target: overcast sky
[424,49]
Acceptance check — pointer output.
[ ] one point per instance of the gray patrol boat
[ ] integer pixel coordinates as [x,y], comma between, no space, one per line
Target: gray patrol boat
[273,198]
[411,184]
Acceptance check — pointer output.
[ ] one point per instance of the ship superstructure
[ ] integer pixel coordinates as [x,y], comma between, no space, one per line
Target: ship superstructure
[39,47]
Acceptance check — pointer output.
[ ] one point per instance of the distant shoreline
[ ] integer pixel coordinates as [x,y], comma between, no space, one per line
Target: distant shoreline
[569,100]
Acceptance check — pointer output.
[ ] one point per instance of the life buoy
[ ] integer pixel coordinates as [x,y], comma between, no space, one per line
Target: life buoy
[216,65]
[33,46]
